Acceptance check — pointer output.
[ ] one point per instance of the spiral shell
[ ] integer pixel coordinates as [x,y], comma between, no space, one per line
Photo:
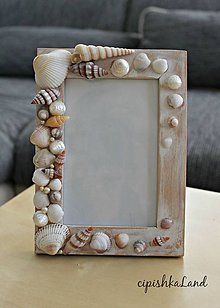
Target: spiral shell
[57,133]
[55,213]
[60,159]
[56,121]
[57,147]
[40,219]
[121,240]
[43,114]
[49,172]
[46,96]
[175,100]
[55,197]
[100,242]
[78,240]
[51,238]
[173,121]
[88,70]
[40,136]
[119,68]
[160,66]
[87,53]
[141,62]
[40,200]
[159,241]
[57,108]
[140,246]
[40,178]
[55,184]
[43,158]
[51,69]
[174,82]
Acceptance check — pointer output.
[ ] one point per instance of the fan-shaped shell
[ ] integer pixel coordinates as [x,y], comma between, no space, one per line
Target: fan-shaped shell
[43,158]
[56,121]
[51,69]
[57,108]
[55,184]
[100,242]
[121,240]
[46,96]
[43,114]
[174,82]
[175,100]
[141,62]
[40,200]
[55,197]
[40,219]
[51,238]
[40,178]
[57,133]
[40,136]
[140,246]
[159,241]
[119,68]
[57,147]
[160,66]
[88,70]
[55,213]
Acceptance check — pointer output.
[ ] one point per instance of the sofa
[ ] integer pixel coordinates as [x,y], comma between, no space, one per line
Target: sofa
[26,25]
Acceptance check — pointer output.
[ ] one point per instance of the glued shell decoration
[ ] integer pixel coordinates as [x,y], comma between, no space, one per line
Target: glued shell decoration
[55,184]
[100,242]
[119,68]
[160,66]
[55,197]
[55,213]
[175,100]
[121,240]
[58,171]
[167,142]
[141,62]
[140,246]
[57,108]
[49,172]
[57,133]
[89,70]
[51,69]
[40,178]
[40,219]
[174,82]
[173,121]
[40,136]
[166,223]
[159,241]
[43,114]
[78,240]
[40,200]
[56,121]
[46,96]
[51,238]
[60,159]
[43,158]
[57,147]
[87,53]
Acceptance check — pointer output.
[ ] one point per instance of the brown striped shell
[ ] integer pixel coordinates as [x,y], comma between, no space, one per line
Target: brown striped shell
[88,70]
[46,96]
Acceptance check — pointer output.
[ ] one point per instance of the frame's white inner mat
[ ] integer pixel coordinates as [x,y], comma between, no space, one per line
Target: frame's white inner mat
[110,176]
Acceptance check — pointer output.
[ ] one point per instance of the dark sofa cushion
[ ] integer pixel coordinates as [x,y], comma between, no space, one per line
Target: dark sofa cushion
[18,45]
[195,31]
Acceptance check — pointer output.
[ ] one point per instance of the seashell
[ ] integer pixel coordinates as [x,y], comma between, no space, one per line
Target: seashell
[55,197]
[140,246]
[57,133]
[100,242]
[57,147]
[51,69]
[57,108]
[43,158]
[78,240]
[49,172]
[88,70]
[58,171]
[46,96]
[56,121]
[119,68]
[40,178]
[40,136]
[51,238]
[55,184]
[40,200]
[175,100]
[173,121]
[160,66]
[141,62]
[87,53]
[40,219]
[166,223]
[159,241]
[121,240]
[43,114]
[167,142]
[174,82]
[60,159]
[55,213]
[46,190]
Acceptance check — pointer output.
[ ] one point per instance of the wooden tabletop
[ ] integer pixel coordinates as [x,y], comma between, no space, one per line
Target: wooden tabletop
[42,281]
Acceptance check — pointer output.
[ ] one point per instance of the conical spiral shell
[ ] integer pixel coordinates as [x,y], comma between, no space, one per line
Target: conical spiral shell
[41,136]
[88,70]
[140,246]
[43,158]
[87,53]
[159,241]
[56,121]
[51,238]
[79,239]
[100,242]
[46,96]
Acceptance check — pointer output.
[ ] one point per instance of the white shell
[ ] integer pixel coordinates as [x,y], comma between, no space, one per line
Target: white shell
[173,121]
[119,68]
[55,184]
[43,114]
[40,200]
[121,240]
[55,197]
[174,82]
[57,147]
[51,238]
[160,66]
[40,136]
[43,158]
[175,100]
[55,213]
[141,62]
[167,142]
[57,108]
[51,69]
[100,242]
[40,178]
[40,219]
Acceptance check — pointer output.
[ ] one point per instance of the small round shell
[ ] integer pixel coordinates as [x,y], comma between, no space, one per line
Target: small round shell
[55,213]
[40,136]
[40,178]
[57,133]
[57,108]
[166,223]
[160,66]
[173,121]
[141,62]
[100,242]
[55,184]
[40,200]
[174,82]
[121,240]
[175,100]
[43,114]
[57,147]
[55,197]
[40,219]
[140,246]
[43,158]
[119,68]
[167,142]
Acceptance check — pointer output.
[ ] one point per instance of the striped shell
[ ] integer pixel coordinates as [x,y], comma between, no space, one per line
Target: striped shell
[55,213]
[140,246]
[43,158]
[46,96]
[159,241]
[100,242]
[78,240]
[40,136]
[40,200]
[57,133]
[56,121]
[40,178]
[88,70]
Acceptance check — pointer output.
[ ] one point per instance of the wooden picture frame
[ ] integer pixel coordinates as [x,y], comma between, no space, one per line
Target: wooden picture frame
[54,66]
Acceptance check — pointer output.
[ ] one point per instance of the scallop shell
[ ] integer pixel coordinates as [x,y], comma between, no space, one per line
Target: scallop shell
[43,158]
[60,159]
[55,197]
[166,223]
[173,121]
[58,171]
[121,240]
[167,142]
[40,136]
[159,241]
[55,213]
[78,240]
[119,68]
[43,114]
[88,70]
[40,200]
[51,238]
[40,219]
[174,82]
[57,147]
[160,66]
[51,69]
[57,133]
[55,184]
[56,121]
[100,242]
[140,246]
[57,108]
[175,100]
[141,62]
[87,53]
[46,96]
[40,178]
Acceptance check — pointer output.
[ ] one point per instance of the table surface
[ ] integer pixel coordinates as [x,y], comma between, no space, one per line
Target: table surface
[27,280]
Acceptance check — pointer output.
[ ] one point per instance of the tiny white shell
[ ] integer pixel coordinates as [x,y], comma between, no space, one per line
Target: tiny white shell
[57,108]
[160,66]
[57,147]
[119,68]
[40,200]
[121,240]
[40,178]
[167,142]
[174,82]
[40,136]
[141,62]
[100,242]
[55,184]
[55,213]
[40,219]
[43,158]
[43,114]
[175,100]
